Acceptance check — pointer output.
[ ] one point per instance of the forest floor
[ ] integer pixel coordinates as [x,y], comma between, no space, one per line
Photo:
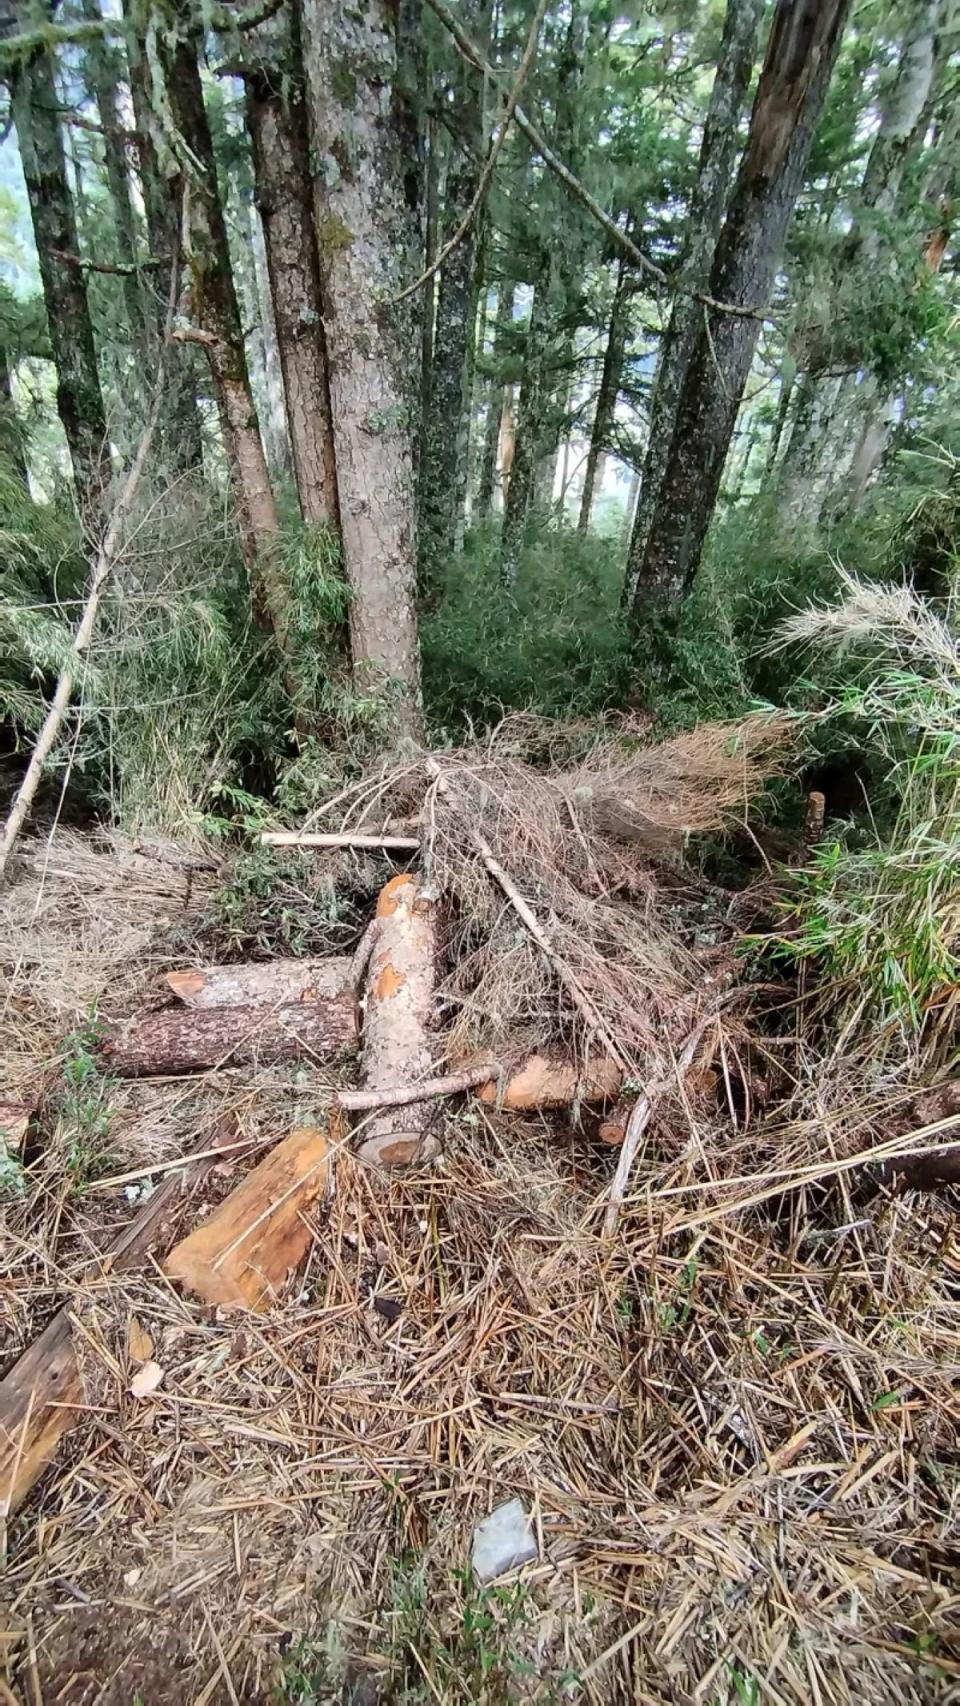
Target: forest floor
[734,1425]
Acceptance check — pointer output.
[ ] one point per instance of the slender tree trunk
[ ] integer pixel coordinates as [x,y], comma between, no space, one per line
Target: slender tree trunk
[178,429]
[816,395]
[503,324]
[213,303]
[902,117]
[34,106]
[366,188]
[717,155]
[610,377]
[803,43]
[788,374]
[103,75]
[277,120]
[529,428]
[13,437]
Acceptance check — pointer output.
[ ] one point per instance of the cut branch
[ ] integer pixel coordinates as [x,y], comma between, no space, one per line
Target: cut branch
[294,838]
[274,983]
[398,1020]
[643,1110]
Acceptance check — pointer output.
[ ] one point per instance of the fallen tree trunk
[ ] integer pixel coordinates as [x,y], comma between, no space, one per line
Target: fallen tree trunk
[42,1397]
[243,1255]
[180,1039]
[274,983]
[933,1171]
[398,1020]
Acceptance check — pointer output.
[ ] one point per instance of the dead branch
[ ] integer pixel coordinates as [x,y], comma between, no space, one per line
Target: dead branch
[401,1096]
[643,1110]
[294,838]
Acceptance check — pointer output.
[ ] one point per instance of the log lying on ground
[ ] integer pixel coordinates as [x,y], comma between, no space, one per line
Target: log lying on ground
[243,1255]
[180,1039]
[42,1397]
[274,983]
[930,1171]
[398,1021]
[551,1081]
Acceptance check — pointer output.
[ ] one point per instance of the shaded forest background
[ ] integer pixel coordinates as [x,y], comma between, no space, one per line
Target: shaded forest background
[509,357]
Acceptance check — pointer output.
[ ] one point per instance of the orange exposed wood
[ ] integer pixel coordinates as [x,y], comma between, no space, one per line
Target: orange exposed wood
[544,1081]
[272,983]
[398,1021]
[243,1255]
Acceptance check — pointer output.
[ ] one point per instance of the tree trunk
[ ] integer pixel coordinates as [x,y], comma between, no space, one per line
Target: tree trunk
[34,106]
[102,76]
[803,43]
[788,374]
[503,324]
[277,120]
[179,1039]
[366,186]
[11,425]
[603,419]
[717,154]
[179,430]
[901,119]
[399,1020]
[274,983]
[213,303]
[528,427]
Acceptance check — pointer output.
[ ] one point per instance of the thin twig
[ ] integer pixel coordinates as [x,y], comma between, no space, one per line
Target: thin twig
[572,184]
[493,155]
[404,1094]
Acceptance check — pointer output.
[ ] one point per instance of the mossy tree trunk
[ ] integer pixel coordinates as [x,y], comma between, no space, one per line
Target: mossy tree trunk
[102,68]
[277,120]
[718,152]
[367,209]
[801,49]
[611,374]
[443,475]
[35,106]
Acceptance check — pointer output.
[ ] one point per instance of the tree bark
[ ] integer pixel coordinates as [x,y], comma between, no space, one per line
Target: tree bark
[213,302]
[277,120]
[42,1397]
[610,377]
[34,105]
[717,154]
[243,1256]
[528,427]
[443,474]
[366,197]
[274,983]
[180,436]
[180,1040]
[503,325]
[102,72]
[803,43]
[399,1020]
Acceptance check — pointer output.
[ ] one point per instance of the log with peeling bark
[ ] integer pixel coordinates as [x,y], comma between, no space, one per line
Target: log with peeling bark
[272,983]
[553,1081]
[181,1039]
[398,1021]
[42,1397]
[244,1254]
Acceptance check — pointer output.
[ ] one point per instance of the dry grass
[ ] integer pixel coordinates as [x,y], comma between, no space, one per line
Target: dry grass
[735,1424]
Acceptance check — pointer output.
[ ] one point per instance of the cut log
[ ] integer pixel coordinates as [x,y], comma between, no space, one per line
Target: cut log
[398,1020]
[180,1040]
[550,1081]
[613,1128]
[937,1169]
[274,983]
[243,1255]
[42,1397]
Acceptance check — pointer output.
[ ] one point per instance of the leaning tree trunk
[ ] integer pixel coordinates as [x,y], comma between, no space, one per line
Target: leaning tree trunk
[717,154]
[213,301]
[277,121]
[503,324]
[178,427]
[803,43]
[35,105]
[366,195]
[102,76]
[610,377]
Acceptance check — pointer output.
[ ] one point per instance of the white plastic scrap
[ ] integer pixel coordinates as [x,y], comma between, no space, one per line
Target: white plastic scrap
[503,1541]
